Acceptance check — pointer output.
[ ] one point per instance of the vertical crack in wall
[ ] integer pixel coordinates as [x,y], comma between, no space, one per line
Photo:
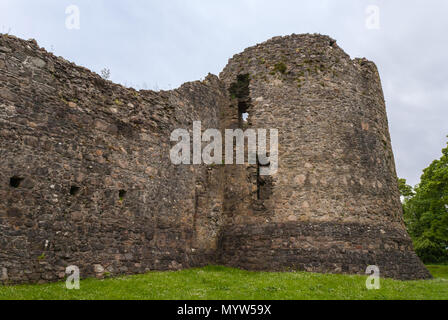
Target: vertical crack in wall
[260,187]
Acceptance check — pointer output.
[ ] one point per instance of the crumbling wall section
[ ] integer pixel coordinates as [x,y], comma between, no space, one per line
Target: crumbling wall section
[85,175]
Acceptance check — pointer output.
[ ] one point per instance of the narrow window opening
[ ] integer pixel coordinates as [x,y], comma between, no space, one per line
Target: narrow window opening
[240,90]
[74,190]
[122,194]
[242,111]
[15,181]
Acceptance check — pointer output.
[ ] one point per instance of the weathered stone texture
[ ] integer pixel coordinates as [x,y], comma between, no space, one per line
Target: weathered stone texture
[96,186]
[322,247]
[336,165]
[86,177]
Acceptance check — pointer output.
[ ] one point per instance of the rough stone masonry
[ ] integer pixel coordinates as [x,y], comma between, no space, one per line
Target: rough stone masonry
[86,178]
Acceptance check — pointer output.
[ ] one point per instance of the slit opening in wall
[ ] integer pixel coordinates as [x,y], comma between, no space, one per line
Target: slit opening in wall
[264,183]
[74,190]
[122,194]
[15,181]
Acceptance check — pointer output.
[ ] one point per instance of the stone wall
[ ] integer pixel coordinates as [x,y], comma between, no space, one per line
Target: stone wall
[86,177]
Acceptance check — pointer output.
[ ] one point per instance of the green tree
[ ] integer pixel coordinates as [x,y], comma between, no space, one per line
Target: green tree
[426,211]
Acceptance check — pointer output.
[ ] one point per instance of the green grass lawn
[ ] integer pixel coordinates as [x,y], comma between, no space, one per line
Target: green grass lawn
[219,283]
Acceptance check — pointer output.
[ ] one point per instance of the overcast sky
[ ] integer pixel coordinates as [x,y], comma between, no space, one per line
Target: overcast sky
[161,44]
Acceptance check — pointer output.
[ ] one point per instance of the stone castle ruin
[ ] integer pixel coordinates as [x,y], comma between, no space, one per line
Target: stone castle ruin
[86,177]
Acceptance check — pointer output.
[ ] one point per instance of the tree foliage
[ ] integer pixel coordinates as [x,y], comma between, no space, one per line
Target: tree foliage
[426,211]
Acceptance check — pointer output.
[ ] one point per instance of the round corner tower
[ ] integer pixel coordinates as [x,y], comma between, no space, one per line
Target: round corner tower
[334,204]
